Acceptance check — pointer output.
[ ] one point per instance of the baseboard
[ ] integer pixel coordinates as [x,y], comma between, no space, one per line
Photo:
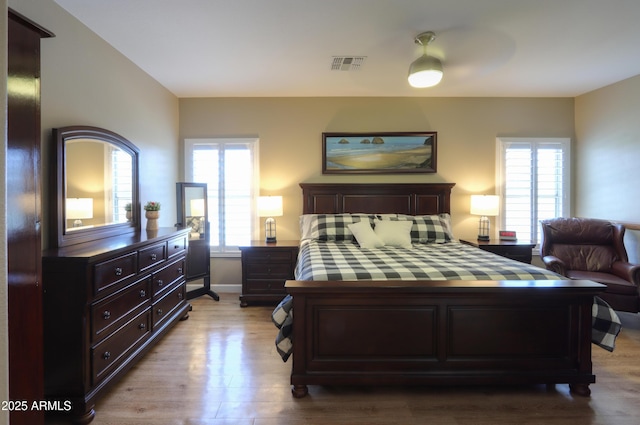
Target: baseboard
[233,289]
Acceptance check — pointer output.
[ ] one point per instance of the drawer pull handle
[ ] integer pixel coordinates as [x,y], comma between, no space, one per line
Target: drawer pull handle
[180,295]
[160,312]
[118,271]
[143,293]
[160,282]
[106,315]
[106,355]
[153,257]
[177,247]
[142,326]
[179,270]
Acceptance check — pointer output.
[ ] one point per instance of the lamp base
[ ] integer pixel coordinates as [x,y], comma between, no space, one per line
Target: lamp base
[271,240]
[483,238]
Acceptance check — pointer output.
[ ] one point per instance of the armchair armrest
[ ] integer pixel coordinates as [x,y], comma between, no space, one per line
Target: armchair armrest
[627,271]
[554,264]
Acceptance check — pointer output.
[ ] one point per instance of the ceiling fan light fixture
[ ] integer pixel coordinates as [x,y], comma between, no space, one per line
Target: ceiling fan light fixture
[426,71]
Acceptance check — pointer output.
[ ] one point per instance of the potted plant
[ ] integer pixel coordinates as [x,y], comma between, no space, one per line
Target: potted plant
[127,209]
[152,213]
[152,206]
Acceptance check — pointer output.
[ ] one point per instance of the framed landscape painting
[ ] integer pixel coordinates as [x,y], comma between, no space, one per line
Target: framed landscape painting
[381,153]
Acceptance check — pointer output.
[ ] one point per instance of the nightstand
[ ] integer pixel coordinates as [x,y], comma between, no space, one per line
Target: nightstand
[516,250]
[265,268]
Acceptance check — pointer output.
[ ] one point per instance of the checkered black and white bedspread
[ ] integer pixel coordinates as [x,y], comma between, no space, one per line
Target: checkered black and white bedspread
[448,261]
[340,260]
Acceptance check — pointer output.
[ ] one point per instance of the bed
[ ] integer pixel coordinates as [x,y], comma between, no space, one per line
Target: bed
[471,318]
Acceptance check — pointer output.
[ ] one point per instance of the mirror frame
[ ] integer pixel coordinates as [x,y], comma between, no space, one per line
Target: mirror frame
[57,181]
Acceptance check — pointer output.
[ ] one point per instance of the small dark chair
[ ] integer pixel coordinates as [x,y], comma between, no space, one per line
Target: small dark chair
[585,248]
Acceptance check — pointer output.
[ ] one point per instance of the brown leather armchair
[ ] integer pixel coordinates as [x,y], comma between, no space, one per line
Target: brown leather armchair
[586,248]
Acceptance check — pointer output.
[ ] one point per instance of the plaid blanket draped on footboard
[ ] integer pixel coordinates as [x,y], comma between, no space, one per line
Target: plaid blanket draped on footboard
[450,261]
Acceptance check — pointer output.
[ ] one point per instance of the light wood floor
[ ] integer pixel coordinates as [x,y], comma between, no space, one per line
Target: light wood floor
[220,367]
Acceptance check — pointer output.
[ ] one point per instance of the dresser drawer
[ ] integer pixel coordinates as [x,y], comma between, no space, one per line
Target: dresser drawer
[110,352]
[164,277]
[167,304]
[111,272]
[111,312]
[269,271]
[151,256]
[270,255]
[177,246]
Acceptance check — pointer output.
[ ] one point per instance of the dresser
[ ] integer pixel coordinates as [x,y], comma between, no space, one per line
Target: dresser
[265,268]
[106,303]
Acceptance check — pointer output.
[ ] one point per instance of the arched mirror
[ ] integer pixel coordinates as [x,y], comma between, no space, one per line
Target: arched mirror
[95,193]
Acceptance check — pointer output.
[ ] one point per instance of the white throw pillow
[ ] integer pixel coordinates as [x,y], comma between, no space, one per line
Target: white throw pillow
[365,236]
[394,233]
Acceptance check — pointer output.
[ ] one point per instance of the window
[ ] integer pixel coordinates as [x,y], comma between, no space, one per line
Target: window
[533,181]
[121,174]
[229,167]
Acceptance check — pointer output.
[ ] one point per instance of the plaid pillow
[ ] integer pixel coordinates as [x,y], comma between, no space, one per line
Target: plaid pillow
[429,228]
[334,227]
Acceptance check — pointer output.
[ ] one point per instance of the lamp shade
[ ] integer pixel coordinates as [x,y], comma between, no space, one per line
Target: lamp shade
[270,206]
[426,71]
[485,205]
[79,208]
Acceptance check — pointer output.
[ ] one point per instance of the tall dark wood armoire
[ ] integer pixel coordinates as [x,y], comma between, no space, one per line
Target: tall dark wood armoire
[26,377]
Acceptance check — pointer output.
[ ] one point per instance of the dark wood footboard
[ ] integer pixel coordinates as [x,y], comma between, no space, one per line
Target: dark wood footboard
[442,333]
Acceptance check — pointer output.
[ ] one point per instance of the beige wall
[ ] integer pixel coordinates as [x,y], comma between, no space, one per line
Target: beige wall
[607,156]
[85,81]
[290,132]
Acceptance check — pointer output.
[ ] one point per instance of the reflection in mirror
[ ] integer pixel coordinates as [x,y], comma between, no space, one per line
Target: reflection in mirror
[195,211]
[96,189]
[101,173]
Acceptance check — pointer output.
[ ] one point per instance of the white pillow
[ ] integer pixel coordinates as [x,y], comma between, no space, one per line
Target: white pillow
[365,235]
[394,233]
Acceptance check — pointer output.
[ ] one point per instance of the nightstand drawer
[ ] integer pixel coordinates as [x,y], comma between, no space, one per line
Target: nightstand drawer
[520,253]
[265,268]
[265,287]
[517,250]
[267,256]
[266,271]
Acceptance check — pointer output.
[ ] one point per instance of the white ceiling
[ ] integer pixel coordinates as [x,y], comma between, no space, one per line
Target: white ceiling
[210,48]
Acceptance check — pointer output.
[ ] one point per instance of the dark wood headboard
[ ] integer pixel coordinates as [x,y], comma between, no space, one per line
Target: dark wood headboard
[383,198]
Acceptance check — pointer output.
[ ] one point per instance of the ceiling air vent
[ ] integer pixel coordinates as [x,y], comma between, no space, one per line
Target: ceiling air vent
[347,63]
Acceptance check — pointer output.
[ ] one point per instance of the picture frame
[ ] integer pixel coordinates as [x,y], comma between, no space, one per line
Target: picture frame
[379,153]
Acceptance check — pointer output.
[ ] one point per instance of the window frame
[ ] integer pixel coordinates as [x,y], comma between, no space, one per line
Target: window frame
[535,143]
[189,145]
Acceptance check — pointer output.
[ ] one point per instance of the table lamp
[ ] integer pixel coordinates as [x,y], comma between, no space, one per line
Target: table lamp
[78,209]
[484,206]
[270,206]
